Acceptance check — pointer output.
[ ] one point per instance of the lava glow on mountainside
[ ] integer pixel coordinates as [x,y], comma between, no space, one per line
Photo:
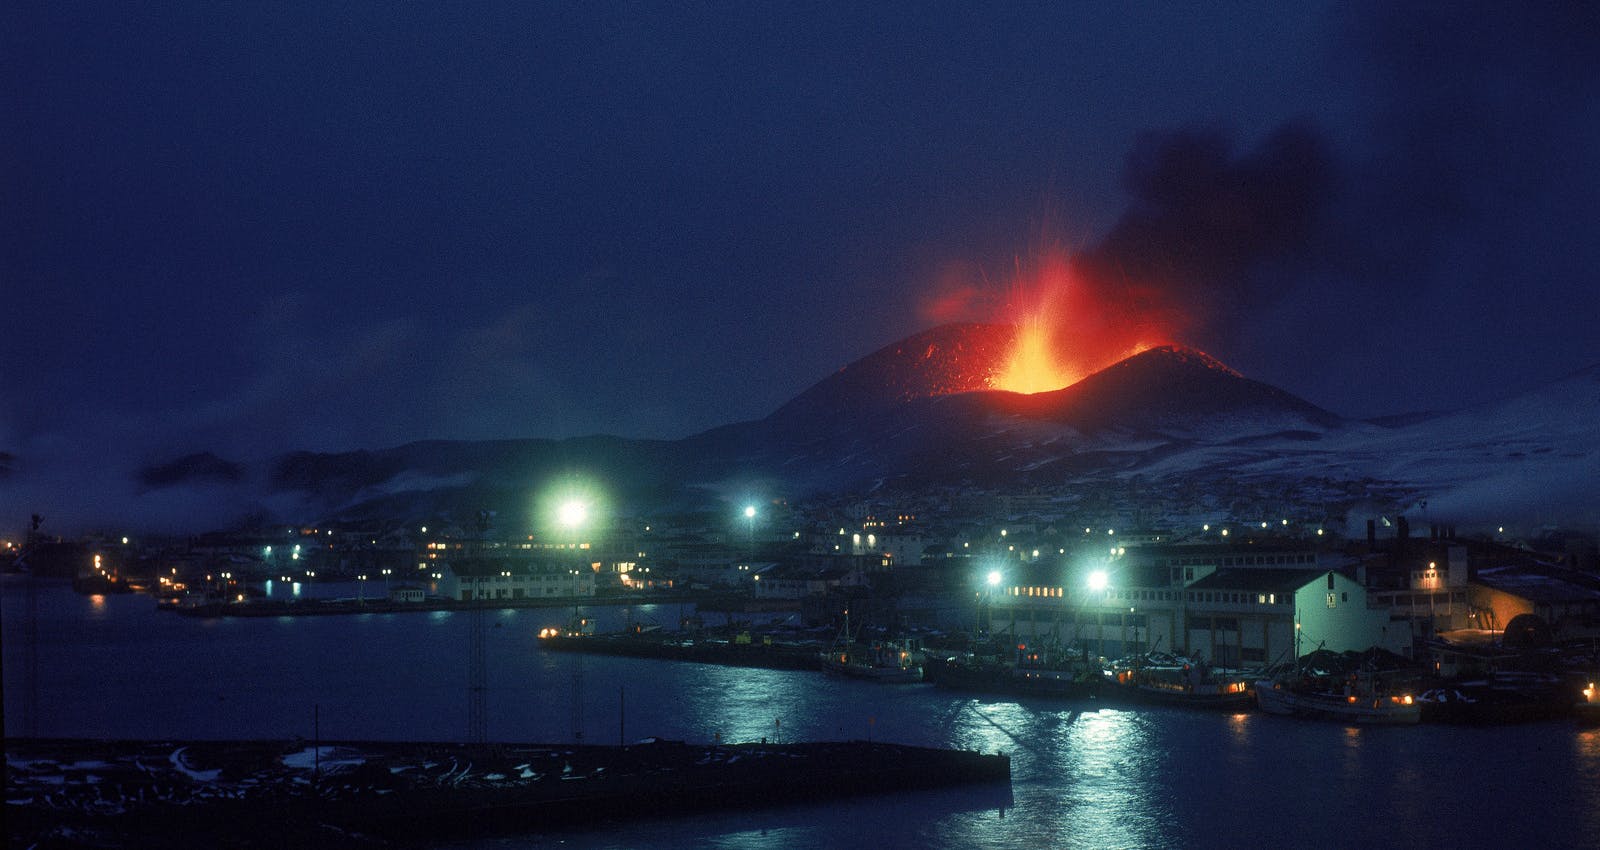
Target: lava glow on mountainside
[1068,329]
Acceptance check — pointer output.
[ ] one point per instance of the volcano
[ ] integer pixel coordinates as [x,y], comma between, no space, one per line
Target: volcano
[953,358]
[1171,386]
[920,412]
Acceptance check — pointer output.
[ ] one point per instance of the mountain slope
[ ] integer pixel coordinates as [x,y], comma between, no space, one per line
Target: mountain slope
[917,413]
[1170,387]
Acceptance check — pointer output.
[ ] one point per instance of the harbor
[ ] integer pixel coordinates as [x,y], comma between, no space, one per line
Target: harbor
[1098,772]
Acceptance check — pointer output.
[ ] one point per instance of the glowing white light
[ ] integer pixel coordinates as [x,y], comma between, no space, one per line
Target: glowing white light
[571,514]
[994,578]
[1098,580]
[749,511]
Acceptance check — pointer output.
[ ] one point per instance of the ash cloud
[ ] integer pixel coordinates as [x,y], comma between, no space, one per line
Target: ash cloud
[1205,218]
[198,468]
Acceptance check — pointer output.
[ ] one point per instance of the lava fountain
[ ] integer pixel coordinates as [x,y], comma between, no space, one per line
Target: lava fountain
[1068,326]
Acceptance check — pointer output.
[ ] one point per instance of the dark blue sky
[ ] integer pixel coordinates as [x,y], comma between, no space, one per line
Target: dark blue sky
[252,228]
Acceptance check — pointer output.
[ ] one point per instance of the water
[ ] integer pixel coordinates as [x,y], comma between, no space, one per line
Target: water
[1082,777]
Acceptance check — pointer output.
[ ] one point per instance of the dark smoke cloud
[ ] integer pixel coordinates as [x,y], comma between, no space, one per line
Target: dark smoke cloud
[201,467]
[1458,242]
[1482,119]
[1203,218]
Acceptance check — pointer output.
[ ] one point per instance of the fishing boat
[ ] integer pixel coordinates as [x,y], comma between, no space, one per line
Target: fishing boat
[1361,699]
[1502,697]
[1587,710]
[1034,670]
[887,661]
[1175,680]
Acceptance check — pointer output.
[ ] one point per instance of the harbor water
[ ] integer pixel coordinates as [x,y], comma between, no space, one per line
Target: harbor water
[1084,774]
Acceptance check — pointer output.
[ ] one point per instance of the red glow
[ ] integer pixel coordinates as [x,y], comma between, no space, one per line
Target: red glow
[1069,327]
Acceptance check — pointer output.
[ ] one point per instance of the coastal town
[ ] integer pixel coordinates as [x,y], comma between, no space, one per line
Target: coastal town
[981,590]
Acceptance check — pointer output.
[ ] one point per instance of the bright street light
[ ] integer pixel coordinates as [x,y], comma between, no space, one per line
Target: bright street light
[994,578]
[1098,580]
[749,511]
[573,514]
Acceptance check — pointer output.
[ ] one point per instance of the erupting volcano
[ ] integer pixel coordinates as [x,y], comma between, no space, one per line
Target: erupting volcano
[1067,327]
[1058,325]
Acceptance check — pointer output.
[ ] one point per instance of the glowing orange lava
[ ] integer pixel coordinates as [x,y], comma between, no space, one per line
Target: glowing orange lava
[1069,327]
[1032,366]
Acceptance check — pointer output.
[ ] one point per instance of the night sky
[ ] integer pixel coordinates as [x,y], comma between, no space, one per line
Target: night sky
[253,228]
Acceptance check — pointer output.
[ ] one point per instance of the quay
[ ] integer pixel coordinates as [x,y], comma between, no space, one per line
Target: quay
[74,792]
[775,656]
[312,607]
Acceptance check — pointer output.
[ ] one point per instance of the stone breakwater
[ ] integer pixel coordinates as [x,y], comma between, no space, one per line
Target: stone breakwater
[263,793]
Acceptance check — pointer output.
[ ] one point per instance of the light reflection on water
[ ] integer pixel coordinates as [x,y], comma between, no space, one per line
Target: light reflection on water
[1083,775]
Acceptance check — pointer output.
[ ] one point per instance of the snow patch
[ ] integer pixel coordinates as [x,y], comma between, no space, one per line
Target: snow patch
[183,767]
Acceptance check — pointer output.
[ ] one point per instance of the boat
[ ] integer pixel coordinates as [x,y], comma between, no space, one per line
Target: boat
[1175,680]
[888,661]
[882,661]
[1503,697]
[1033,671]
[1361,699]
[1587,710]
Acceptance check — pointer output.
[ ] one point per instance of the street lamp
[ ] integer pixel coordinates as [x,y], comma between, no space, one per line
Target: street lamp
[572,514]
[749,513]
[991,583]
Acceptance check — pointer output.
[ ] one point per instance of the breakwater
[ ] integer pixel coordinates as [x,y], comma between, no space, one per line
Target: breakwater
[278,793]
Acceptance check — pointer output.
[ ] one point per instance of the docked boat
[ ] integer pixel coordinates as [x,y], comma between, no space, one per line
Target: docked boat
[1587,710]
[892,662]
[1033,671]
[1179,681]
[888,661]
[1499,698]
[1360,700]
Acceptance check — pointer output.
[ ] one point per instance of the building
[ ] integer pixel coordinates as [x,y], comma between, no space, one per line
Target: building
[1233,606]
[477,579]
[794,581]
[1567,600]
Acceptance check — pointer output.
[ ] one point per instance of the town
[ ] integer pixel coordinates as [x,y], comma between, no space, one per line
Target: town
[967,571]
